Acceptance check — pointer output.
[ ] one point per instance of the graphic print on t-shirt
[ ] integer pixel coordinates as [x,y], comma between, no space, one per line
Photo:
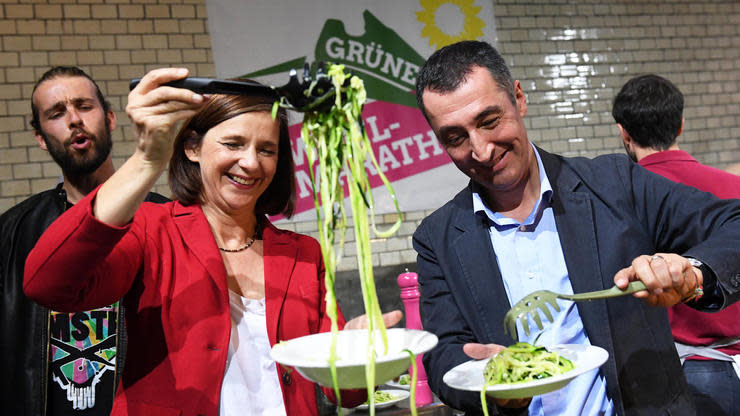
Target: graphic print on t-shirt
[83,350]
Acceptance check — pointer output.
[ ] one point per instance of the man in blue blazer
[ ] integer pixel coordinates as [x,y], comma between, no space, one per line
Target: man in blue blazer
[532,220]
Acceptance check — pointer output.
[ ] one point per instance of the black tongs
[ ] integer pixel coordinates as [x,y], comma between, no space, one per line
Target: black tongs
[305,95]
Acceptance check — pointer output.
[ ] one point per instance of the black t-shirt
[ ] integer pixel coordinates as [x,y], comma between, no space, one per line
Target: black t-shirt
[82,362]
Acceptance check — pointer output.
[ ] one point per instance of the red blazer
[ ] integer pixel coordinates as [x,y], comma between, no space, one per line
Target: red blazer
[167,268]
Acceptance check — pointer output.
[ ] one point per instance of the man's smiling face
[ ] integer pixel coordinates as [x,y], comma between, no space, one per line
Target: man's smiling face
[483,131]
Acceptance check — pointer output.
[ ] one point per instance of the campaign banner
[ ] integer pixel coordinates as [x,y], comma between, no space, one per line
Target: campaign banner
[384,42]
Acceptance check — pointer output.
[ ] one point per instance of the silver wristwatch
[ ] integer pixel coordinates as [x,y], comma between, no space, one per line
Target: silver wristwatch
[694,262]
[699,291]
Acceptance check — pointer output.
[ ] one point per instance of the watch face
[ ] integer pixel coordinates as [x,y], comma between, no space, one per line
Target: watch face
[694,262]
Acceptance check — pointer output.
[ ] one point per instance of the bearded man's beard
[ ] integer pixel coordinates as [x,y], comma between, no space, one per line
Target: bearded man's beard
[73,163]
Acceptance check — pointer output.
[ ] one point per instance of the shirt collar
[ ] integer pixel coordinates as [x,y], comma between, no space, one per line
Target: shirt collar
[665,156]
[500,221]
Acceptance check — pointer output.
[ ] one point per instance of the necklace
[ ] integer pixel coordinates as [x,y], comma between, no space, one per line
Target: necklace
[242,248]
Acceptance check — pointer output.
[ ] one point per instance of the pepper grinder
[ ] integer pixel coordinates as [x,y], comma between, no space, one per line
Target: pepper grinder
[409,284]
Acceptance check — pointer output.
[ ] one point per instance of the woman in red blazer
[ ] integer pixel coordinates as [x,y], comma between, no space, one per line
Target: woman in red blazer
[184,269]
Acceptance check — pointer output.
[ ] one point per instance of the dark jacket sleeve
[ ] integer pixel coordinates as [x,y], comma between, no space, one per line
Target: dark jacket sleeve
[441,316]
[692,223]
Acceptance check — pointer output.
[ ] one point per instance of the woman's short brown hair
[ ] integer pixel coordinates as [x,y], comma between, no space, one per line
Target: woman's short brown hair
[184,175]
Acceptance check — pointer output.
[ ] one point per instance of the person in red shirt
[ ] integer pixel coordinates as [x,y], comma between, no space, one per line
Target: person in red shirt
[649,114]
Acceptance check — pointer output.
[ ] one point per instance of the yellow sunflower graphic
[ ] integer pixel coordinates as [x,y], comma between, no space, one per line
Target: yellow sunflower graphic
[450,21]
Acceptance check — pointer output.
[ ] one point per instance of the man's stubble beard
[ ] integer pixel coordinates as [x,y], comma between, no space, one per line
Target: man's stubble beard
[80,165]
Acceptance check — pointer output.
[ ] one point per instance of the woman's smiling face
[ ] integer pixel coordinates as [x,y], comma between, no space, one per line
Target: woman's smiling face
[238,159]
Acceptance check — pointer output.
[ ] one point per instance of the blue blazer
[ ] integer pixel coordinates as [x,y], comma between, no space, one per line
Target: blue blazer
[608,210]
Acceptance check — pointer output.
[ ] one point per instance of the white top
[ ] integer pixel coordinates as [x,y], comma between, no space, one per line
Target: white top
[251,385]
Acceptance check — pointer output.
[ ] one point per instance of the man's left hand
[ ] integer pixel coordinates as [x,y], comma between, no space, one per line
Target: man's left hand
[669,278]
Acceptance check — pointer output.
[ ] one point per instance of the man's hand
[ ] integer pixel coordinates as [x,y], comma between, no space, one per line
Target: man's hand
[389,319]
[483,351]
[669,278]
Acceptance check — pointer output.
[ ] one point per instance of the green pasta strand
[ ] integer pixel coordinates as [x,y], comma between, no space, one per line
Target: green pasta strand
[412,386]
[337,141]
[523,362]
[520,363]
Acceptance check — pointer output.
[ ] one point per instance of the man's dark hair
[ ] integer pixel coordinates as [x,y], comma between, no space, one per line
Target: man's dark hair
[449,67]
[650,108]
[58,72]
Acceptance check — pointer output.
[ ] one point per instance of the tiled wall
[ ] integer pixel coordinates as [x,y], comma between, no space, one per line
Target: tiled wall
[574,56]
[571,57]
[113,41]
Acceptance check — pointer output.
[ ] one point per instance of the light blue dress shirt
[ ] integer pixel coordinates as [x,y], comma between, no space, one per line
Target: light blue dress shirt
[530,258]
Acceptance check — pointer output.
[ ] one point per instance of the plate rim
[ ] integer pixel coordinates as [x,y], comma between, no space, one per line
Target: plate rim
[536,383]
[396,385]
[422,334]
[404,393]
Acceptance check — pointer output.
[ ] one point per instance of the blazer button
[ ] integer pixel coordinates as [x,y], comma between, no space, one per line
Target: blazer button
[286,379]
[735,280]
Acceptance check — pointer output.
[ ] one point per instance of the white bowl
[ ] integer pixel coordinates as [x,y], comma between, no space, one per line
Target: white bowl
[309,355]
[469,375]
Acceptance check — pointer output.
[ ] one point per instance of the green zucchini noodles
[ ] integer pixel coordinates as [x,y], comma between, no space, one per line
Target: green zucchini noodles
[382,396]
[524,362]
[520,363]
[336,142]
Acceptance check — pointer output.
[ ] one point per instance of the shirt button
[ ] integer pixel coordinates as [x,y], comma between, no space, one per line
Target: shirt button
[530,275]
[286,378]
[522,228]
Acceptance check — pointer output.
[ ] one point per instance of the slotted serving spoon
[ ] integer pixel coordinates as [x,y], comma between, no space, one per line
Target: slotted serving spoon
[529,305]
[304,95]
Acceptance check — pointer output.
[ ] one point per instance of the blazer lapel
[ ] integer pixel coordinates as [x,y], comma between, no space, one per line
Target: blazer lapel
[198,237]
[479,273]
[280,258]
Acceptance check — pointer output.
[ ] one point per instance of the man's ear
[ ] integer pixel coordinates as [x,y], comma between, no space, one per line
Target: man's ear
[521,98]
[626,138]
[680,130]
[110,118]
[40,139]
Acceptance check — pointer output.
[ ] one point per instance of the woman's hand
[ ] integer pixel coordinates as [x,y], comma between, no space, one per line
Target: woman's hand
[389,319]
[156,112]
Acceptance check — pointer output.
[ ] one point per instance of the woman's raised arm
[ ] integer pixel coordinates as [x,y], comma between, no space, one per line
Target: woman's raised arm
[156,113]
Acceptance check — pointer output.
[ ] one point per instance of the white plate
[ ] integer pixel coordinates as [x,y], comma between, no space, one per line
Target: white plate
[310,355]
[402,395]
[469,375]
[398,385]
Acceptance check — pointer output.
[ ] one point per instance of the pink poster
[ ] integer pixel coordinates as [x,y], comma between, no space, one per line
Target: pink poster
[383,42]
